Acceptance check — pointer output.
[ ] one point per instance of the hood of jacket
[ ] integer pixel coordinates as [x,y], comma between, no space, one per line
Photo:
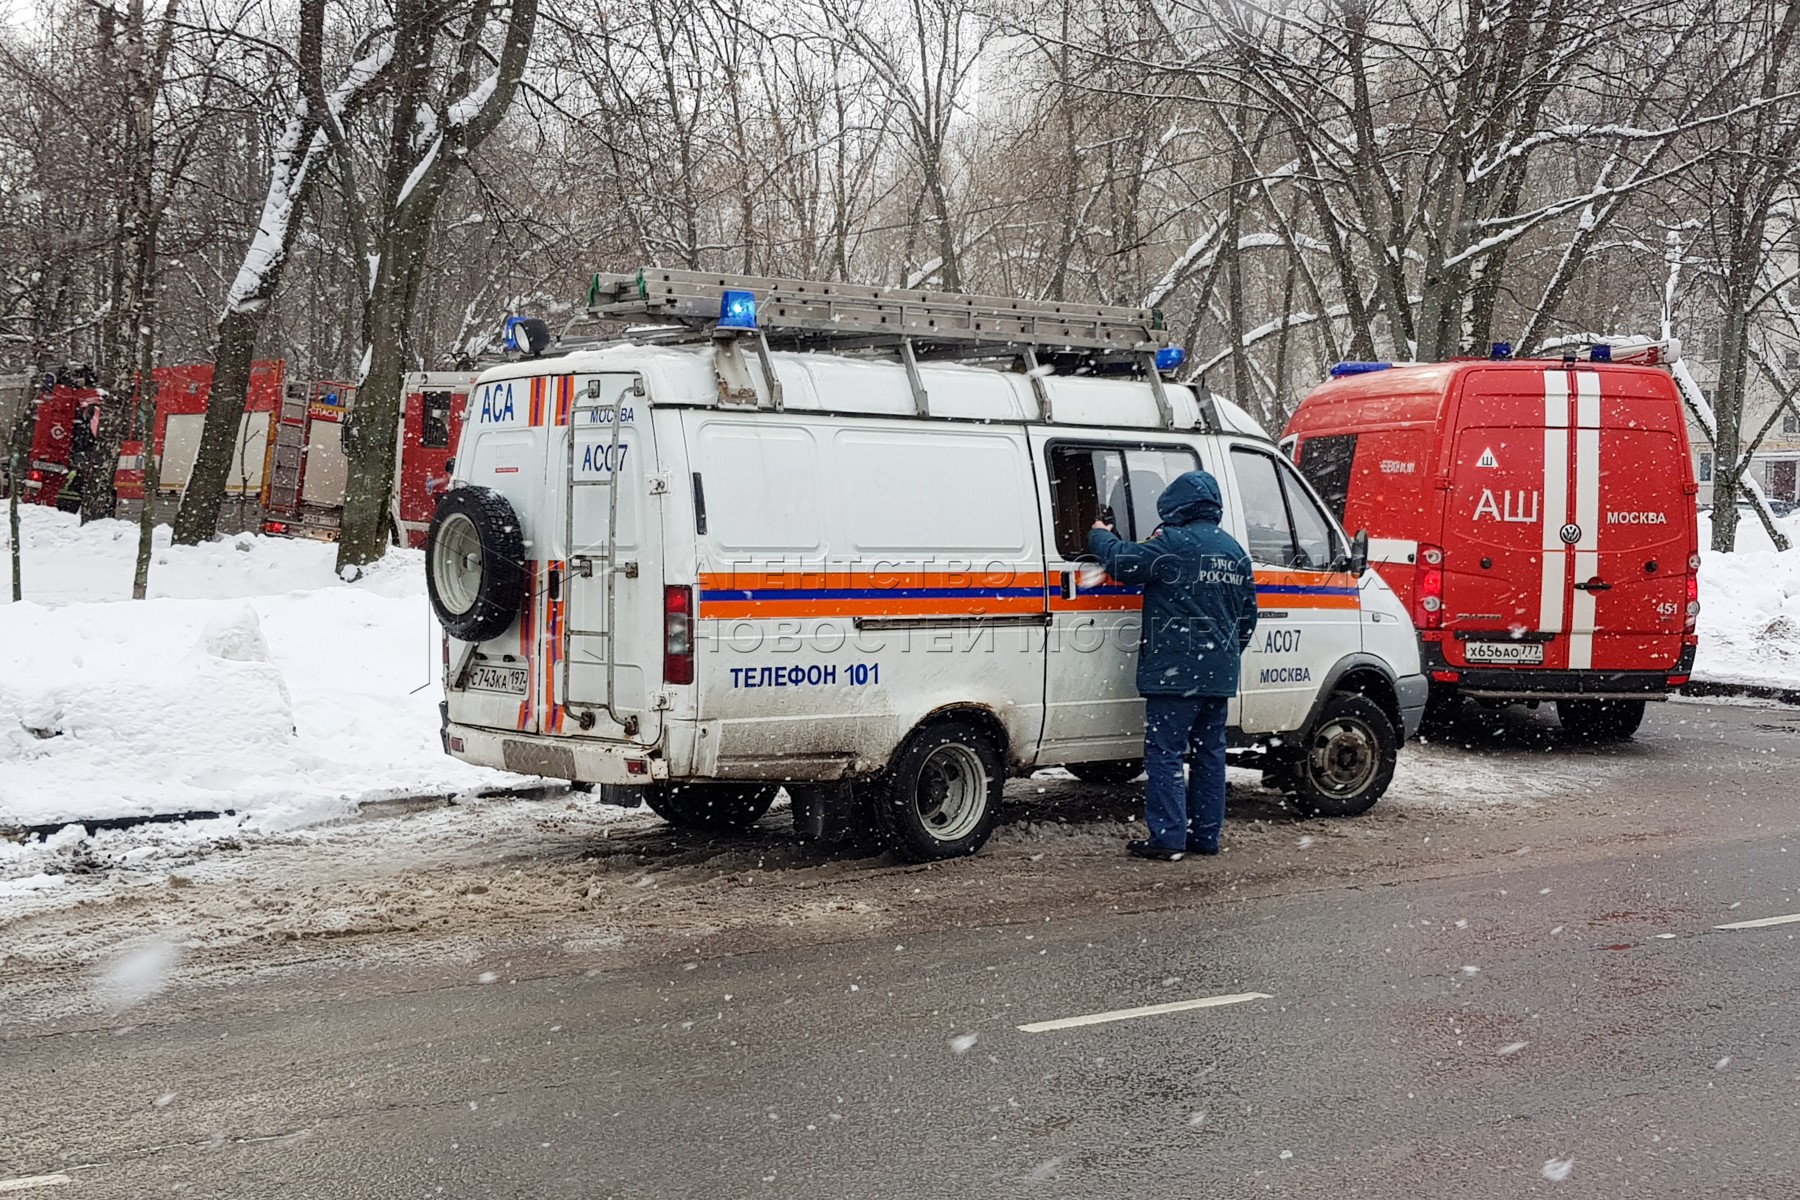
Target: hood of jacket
[1193,496]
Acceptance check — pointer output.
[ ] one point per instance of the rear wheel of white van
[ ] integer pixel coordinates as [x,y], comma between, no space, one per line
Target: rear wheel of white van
[1600,720]
[941,794]
[1345,763]
[715,806]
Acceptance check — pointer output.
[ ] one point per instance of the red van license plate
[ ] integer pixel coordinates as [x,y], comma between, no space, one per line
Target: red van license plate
[1507,653]
[498,679]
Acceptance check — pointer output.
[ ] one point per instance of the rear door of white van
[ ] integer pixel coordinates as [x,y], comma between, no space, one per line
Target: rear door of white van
[601,562]
[501,451]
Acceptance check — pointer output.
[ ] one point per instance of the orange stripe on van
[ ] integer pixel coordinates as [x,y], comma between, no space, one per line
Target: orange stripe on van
[869,593]
[537,400]
[870,606]
[527,626]
[553,643]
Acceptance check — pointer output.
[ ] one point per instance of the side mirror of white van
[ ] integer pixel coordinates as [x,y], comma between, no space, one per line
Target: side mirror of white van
[1359,553]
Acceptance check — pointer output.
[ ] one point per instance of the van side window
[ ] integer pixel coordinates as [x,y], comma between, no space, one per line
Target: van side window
[1086,481]
[1326,462]
[434,420]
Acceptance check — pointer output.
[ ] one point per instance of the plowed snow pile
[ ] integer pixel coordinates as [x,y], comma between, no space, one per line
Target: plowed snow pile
[1750,609]
[252,680]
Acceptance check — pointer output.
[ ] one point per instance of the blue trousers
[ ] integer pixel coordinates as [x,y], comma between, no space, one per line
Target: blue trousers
[1179,813]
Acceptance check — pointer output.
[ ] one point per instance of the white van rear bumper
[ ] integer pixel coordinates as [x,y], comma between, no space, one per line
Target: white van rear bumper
[554,757]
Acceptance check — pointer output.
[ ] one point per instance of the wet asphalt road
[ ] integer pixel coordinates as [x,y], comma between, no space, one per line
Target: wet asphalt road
[1563,1020]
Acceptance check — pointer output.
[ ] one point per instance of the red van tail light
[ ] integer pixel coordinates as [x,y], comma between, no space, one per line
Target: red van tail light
[1693,602]
[678,634]
[1428,588]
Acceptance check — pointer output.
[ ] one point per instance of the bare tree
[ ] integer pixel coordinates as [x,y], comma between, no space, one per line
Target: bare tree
[434,129]
[297,160]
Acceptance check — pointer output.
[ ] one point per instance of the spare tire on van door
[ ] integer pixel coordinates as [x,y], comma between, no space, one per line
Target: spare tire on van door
[475,563]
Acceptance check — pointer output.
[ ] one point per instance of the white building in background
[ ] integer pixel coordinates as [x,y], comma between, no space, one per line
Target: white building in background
[1776,463]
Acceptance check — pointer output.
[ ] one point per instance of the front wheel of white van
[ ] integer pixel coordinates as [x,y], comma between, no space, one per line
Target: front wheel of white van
[942,792]
[1346,762]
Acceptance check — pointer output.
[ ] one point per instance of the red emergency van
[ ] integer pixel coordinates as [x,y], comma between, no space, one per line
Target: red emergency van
[1537,517]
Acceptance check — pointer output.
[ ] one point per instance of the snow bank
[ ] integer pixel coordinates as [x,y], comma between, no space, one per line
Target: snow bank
[252,680]
[1750,618]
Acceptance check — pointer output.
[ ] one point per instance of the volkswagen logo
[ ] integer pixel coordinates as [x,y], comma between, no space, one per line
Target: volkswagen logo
[1570,533]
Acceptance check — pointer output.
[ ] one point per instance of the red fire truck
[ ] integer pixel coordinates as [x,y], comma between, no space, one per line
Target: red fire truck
[61,399]
[1537,517]
[288,467]
[309,468]
[181,396]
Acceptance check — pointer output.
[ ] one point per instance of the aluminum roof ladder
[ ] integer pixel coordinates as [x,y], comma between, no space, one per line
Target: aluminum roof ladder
[913,325]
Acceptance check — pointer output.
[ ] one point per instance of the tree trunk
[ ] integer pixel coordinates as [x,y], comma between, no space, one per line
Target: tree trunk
[198,519]
[1728,407]
[18,442]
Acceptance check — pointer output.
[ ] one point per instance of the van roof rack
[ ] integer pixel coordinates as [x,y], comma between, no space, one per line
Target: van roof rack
[663,305]
[1625,350]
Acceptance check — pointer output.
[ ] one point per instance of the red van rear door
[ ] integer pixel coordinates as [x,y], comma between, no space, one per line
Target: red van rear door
[1571,521]
[1635,509]
[1503,506]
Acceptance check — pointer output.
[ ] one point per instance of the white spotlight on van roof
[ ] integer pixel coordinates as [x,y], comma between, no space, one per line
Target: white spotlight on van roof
[737,310]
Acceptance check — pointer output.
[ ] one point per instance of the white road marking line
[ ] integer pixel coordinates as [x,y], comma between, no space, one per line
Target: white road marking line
[1761,922]
[27,1182]
[1150,1010]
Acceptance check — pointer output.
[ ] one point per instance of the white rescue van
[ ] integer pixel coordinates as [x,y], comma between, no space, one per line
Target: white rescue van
[706,570]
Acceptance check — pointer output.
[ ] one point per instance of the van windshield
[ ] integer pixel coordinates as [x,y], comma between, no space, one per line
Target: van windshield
[1326,461]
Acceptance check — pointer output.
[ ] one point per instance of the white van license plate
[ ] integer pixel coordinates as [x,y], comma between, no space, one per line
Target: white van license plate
[498,679]
[1509,653]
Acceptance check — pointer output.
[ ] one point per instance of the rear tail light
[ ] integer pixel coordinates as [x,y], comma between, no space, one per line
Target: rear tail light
[1445,676]
[34,476]
[1428,588]
[275,527]
[678,634]
[1693,602]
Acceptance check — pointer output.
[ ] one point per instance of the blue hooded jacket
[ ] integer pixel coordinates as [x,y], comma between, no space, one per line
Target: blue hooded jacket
[1199,592]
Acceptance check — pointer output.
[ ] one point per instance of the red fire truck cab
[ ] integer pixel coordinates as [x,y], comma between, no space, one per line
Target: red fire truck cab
[61,402]
[1536,516]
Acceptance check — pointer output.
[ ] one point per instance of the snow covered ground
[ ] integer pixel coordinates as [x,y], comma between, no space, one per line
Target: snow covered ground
[252,680]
